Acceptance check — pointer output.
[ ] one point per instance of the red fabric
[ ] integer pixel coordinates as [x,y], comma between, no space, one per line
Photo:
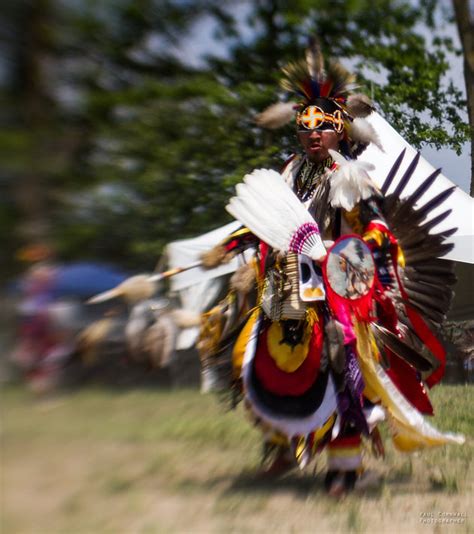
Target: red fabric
[231,245]
[405,378]
[430,340]
[373,225]
[281,383]
[264,248]
[342,442]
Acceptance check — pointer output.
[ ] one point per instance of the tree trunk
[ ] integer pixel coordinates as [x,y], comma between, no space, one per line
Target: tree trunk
[30,189]
[464,13]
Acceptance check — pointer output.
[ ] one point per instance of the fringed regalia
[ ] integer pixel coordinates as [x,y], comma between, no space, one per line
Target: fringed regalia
[325,350]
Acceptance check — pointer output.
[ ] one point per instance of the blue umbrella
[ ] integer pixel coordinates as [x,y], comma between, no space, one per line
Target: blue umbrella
[86,279]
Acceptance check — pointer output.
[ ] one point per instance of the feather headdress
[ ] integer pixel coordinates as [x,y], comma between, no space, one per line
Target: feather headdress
[309,78]
[329,86]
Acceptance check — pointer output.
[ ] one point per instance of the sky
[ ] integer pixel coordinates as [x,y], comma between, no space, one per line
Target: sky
[200,41]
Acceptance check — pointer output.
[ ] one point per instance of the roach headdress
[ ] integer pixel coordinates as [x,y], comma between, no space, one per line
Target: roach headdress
[325,101]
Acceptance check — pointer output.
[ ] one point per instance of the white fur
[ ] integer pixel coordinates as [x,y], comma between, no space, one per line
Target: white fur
[185,318]
[362,131]
[350,183]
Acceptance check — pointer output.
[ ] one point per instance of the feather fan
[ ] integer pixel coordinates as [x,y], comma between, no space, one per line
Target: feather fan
[269,208]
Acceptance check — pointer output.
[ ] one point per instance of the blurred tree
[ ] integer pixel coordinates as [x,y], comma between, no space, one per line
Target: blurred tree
[27,115]
[393,46]
[61,66]
[156,139]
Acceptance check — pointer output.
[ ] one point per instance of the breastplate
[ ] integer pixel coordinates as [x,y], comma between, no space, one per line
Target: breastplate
[280,297]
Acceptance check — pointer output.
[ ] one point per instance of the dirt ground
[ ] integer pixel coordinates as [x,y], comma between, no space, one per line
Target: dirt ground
[146,461]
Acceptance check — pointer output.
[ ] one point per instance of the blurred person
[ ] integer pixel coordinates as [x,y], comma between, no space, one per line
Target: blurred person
[38,350]
[317,370]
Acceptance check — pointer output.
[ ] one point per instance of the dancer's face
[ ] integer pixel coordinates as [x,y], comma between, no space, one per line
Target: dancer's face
[316,143]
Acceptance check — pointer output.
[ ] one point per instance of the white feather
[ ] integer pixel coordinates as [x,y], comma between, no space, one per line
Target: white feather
[276,115]
[363,132]
[269,208]
[350,183]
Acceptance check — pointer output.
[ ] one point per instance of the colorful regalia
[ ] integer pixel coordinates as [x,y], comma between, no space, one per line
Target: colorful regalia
[337,333]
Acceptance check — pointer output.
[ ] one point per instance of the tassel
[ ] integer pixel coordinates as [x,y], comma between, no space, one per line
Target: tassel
[244,279]
[215,256]
[133,289]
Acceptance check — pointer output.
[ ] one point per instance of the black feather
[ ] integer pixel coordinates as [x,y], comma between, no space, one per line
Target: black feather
[435,279]
[424,254]
[401,349]
[436,201]
[448,233]
[407,175]
[435,266]
[428,289]
[421,239]
[393,171]
[411,339]
[420,190]
[433,301]
[435,220]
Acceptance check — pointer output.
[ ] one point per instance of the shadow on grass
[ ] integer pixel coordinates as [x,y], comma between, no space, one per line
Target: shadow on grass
[301,484]
[248,482]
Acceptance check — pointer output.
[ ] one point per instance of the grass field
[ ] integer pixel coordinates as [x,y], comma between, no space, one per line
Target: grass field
[145,461]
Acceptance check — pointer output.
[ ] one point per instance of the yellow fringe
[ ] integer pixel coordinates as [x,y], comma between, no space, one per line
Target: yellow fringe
[410,431]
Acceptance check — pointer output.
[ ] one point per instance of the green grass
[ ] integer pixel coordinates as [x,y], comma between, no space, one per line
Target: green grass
[176,461]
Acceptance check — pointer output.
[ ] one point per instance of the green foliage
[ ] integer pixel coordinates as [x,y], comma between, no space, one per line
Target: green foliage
[158,143]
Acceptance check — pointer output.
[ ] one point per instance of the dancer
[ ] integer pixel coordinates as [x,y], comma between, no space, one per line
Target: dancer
[317,363]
